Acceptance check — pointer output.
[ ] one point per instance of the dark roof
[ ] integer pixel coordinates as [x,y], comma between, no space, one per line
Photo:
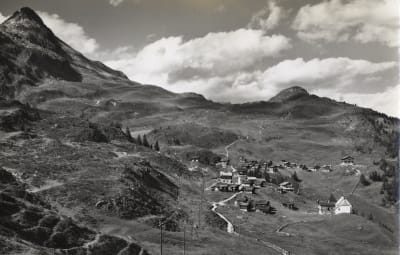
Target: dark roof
[347,157]
[326,204]
[226,177]
[262,202]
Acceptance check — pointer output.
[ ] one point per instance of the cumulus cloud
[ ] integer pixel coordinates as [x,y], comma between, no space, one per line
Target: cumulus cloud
[171,59]
[2,18]
[267,18]
[343,75]
[386,101]
[71,33]
[363,21]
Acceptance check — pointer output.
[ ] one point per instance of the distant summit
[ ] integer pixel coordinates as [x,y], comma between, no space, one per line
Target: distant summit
[289,94]
[31,54]
[25,14]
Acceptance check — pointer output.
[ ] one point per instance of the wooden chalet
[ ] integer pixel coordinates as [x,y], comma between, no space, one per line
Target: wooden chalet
[348,160]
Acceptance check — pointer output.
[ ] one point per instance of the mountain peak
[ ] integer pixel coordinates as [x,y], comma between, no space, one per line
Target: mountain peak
[25,15]
[289,94]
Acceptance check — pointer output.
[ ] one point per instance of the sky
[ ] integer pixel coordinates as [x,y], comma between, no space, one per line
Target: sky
[239,50]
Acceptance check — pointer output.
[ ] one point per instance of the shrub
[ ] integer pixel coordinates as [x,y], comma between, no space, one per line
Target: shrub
[295,177]
[375,176]
[145,142]
[157,146]
[139,140]
[332,198]
[363,180]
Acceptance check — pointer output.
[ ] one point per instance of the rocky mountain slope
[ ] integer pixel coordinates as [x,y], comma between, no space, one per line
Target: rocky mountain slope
[29,225]
[32,54]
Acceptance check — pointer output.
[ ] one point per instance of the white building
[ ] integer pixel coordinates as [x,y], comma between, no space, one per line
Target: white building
[343,206]
[239,178]
[225,177]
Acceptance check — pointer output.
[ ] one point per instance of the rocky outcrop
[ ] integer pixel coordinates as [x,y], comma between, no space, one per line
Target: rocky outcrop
[15,116]
[289,94]
[28,222]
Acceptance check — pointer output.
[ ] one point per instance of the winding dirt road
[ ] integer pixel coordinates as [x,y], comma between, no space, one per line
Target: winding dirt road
[229,145]
[230,229]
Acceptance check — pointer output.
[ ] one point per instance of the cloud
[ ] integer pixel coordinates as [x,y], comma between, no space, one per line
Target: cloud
[2,18]
[342,73]
[71,33]
[386,101]
[267,18]
[364,21]
[171,59]
[115,2]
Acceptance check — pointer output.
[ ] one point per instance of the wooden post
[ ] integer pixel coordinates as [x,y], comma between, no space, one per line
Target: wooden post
[201,199]
[161,239]
[184,239]
[191,232]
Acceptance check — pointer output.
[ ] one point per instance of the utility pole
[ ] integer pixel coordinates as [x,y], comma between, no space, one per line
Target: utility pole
[161,237]
[191,232]
[201,199]
[184,239]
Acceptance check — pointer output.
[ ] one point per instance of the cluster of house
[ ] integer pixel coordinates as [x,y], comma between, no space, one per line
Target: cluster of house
[285,187]
[334,207]
[235,181]
[223,163]
[252,167]
[249,205]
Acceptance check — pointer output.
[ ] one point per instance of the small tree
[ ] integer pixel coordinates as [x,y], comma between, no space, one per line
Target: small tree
[128,134]
[251,207]
[267,177]
[374,176]
[157,146]
[295,177]
[139,140]
[176,141]
[332,198]
[363,180]
[145,142]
